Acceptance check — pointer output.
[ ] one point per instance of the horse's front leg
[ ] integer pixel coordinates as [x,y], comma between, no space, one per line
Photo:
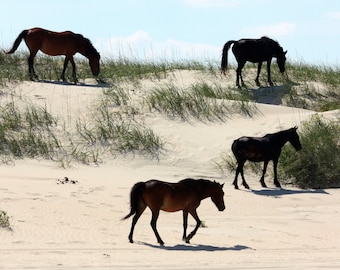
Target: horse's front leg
[74,75]
[268,72]
[276,181]
[198,224]
[185,224]
[259,66]
[263,173]
[153,223]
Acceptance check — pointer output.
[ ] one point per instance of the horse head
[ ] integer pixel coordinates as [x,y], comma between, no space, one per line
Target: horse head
[94,63]
[281,60]
[217,196]
[294,139]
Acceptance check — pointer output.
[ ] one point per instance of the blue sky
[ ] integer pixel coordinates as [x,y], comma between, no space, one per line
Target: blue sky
[184,29]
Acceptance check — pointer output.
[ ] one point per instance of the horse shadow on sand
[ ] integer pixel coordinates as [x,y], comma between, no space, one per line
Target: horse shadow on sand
[183,247]
[272,94]
[279,192]
[82,84]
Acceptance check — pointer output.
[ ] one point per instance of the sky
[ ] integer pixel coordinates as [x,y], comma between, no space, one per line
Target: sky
[177,30]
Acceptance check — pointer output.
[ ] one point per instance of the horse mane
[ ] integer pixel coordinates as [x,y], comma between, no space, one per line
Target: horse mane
[191,181]
[281,132]
[274,42]
[90,49]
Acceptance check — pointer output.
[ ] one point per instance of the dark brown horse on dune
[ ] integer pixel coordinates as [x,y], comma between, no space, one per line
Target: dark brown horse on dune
[186,195]
[266,148]
[255,51]
[57,43]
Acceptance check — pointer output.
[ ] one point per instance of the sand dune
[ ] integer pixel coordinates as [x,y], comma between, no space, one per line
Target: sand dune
[58,225]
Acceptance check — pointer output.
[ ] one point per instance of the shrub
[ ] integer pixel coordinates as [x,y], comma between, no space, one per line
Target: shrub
[4,220]
[317,165]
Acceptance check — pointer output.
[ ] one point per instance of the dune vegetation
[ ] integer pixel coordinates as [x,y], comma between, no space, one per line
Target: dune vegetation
[117,127]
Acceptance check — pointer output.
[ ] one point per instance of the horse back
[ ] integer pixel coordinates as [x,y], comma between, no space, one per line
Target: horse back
[52,43]
[252,50]
[252,148]
[169,197]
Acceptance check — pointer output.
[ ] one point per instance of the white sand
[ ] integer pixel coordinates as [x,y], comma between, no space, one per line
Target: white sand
[78,226]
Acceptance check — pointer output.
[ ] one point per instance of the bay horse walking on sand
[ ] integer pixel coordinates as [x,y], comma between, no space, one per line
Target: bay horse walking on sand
[255,51]
[186,195]
[57,43]
[265,149]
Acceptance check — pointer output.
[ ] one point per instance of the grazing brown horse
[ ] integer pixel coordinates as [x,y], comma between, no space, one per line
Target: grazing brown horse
[186,195]
[57,43]
[264,148]
[255,51]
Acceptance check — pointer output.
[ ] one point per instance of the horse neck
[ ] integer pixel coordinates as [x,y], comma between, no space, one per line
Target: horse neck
[281,137]
[86,48]
[204,190]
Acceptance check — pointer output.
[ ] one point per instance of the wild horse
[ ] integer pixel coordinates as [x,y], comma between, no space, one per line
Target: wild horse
[57,43]
[264,148]
[255,51]
[186,195]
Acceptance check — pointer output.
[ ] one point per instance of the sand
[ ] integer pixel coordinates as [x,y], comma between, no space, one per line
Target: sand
[77,224]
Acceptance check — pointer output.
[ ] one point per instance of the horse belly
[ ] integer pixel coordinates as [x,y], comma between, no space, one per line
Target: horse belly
[52,50]
[171,206]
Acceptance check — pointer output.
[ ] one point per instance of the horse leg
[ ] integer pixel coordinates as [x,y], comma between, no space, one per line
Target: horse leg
[64,69]
[154,218]
[244,183]
[239,75]
[239,167]
[268,72]
[263,173]
[74,75]
[31,71]
[198,224]
[276,181]
[259,66]
[134,221]
[185,224]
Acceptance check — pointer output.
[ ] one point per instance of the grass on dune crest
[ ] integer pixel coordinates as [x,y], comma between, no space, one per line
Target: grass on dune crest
[116,124]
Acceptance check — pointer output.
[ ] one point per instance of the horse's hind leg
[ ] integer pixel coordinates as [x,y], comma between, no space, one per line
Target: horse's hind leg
[31,71]
[239,169]
[64,69]
[153,223]
[134,221]
[239,76]
[244,183]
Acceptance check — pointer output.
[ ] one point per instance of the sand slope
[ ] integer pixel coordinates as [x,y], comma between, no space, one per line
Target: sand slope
[78,226]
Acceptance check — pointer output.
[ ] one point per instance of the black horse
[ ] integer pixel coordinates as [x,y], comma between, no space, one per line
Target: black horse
[255,51]
[264,148]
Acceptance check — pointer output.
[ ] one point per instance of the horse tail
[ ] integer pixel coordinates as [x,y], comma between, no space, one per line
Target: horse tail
[224,62]
[135,198]
[17,42]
